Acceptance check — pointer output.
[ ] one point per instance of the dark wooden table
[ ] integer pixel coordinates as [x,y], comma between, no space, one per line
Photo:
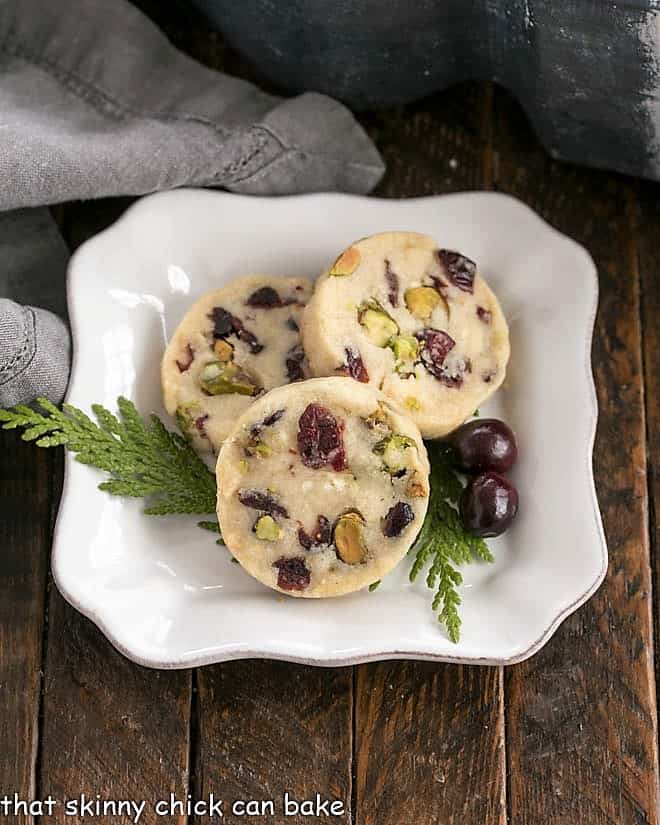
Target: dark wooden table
[568,737]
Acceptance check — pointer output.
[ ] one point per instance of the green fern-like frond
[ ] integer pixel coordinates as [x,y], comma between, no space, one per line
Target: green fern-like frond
[443,544]
[213,527]
[143,458]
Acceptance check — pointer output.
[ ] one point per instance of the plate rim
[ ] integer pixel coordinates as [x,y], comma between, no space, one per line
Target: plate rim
[236,651]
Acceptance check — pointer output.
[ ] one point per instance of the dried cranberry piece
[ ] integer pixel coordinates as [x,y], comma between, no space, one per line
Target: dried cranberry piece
[320,438]
[185,365]
[200,423]
[354,366]
[436,345]
[262,501]
[265,297]
[293,573]
[321,534]
[294,363]
[393,284]
[292,324]
[306,541]
[225,324]
[268,298]
[257,429]
[460,270]
[249,338]
[398,517]
[273,418]
[268,421]
[484,314]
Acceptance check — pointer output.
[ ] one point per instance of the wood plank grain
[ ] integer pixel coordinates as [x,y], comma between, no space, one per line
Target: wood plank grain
[581,714]
[269,727]
[649,266]
[438,145]
[109,727]
[430,738]
[25,482]
[430,744]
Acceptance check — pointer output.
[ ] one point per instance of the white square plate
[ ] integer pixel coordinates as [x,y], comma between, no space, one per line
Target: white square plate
[160,588]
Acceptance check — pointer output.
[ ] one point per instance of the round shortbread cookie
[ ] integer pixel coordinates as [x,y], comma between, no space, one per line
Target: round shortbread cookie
[413,319]
[233,345]
[322,487]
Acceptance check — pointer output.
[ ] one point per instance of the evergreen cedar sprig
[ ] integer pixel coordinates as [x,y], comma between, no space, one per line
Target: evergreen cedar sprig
[143,458]
[443,544]
[214,527]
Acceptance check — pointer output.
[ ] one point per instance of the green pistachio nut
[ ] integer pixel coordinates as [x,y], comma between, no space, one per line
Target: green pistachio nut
[346,263]
[263,450]
[393,450]
[378,324]
[421,301]
[404,347]
[348,538]
[225,378]
[267,529]
[186,415]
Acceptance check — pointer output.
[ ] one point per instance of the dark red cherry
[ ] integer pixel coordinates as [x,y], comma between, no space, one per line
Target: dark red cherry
[484,444]
[488,505]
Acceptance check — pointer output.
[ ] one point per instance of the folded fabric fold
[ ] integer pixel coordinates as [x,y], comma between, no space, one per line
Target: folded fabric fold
[34,343]
[34,354]
[96,102]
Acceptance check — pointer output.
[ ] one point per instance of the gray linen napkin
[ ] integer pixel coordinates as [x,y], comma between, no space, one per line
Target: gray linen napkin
[94,101]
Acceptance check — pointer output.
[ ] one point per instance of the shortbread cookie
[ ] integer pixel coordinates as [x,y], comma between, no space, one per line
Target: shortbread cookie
[233,345]
[413,319]
[322,487]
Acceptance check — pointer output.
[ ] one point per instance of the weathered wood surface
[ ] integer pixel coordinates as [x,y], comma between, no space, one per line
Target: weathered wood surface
[110,727]
[430,745]
[581,714]
[648,234]
[568,737]
[25,517]
[265,728]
